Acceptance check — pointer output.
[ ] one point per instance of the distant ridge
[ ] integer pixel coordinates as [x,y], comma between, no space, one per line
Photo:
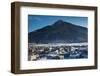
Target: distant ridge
[59,32]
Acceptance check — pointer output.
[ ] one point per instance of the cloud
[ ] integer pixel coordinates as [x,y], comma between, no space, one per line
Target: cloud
[35,19]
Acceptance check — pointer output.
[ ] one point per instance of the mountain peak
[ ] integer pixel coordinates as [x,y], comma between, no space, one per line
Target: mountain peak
[62,23]
[59,22]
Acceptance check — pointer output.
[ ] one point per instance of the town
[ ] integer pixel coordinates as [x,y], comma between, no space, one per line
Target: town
[57,51]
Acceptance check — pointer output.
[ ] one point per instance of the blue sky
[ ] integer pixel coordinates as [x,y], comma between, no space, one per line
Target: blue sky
[39,21]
